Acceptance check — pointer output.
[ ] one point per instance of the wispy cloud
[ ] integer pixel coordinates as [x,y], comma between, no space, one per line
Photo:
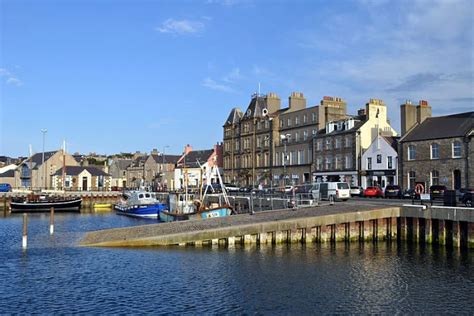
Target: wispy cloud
[181,27]
[10,78]
[233,76]
[229,3]
[212,84]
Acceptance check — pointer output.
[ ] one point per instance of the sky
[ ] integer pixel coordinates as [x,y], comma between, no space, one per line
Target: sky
[111,76]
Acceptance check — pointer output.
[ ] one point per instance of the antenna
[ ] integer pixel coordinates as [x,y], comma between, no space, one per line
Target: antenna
[259,88]
[31,150]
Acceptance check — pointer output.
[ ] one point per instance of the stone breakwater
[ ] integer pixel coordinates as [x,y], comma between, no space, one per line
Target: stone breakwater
[344,222]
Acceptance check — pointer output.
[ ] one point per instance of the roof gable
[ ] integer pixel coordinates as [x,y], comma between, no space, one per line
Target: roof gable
[449,126]
[76,170]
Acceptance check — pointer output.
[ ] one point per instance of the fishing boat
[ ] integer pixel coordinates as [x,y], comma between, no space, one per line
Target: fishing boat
[184,207]
[140,204]
[44,203]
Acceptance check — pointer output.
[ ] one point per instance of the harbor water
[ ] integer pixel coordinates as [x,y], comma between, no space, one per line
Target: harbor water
[55,275]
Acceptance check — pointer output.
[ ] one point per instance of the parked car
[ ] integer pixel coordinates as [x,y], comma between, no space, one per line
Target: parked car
[467,199]
[231,187]
[5,187]
[356,191]
[410,194]
[373,192]
[437,191]
[460,193]
[328,190]
[393,191]
[303,188]
[246,189]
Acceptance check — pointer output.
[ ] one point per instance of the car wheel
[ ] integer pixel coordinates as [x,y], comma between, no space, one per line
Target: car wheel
[468,203]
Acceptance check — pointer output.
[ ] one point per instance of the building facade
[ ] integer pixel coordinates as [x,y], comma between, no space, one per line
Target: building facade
[437,150]
[81,178]
[380,163]
[338,148]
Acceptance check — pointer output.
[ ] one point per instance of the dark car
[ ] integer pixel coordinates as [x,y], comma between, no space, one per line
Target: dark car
[393,191]
[437,191]
[467,199]
[303,189]
[246,189]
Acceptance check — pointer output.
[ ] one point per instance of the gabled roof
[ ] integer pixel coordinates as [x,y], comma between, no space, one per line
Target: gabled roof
[8,174]
[234,117]
[449,126]
[196,157]
[392,141]
[76,170]
[139,161]
[122,164]
[168,159]
[255,108]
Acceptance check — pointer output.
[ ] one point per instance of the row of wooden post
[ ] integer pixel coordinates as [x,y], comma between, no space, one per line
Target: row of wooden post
[24,243]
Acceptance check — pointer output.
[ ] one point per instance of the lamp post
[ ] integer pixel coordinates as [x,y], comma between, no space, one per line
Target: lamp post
[163,166]
[44,131]
[285,138]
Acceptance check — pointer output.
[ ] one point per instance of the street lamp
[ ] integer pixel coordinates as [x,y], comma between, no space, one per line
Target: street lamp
[44,131]
[163,167]
[285,138]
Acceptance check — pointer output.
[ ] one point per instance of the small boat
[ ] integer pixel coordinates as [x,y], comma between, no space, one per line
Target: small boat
[102,207]
[140,204]
[43,203]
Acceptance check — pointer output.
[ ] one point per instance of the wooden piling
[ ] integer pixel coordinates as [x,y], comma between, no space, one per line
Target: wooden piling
[25,231]
[5,207]
[51,222]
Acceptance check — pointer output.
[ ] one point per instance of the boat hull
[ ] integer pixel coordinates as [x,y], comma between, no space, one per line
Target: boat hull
[172,217]
[205,214]
[45,206]
[141,211]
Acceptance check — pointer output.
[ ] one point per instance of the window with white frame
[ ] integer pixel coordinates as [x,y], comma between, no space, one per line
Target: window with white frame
[313,117]
[389,162]
[348,141]
[305,118]
[411,152]
[379,158]
[434,151]
[457,149]
[297,120]
[328,144]
[319,163]
[293,158]
[259,125]
[305,135]
[328,163]
[348,162]
[369,163]
[411,179]
[281,123]
[319,145]
[337,143]
[297,137]
[267,123]
[434,177]
[338,164]
[288,122]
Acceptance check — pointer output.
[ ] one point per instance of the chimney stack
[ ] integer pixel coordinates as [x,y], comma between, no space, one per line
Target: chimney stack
[273,102]
[296,101]
[412,115]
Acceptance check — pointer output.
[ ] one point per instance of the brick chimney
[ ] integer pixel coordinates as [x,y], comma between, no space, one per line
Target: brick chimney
[423,111]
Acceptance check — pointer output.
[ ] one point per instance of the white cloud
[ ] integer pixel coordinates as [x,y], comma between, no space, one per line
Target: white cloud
[233,75]
[14,81]
[181,27]
[10,79]
[212,84]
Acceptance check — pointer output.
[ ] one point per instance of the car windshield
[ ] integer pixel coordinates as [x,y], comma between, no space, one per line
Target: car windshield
[342,186]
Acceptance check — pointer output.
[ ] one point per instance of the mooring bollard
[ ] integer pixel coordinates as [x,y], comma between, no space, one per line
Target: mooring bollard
[5,210]
[51,222]
[331,200]
[25,231]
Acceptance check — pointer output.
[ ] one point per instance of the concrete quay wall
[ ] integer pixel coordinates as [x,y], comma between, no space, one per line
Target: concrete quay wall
[309,225]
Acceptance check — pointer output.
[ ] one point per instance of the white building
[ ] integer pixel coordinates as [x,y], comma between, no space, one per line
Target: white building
[380,162]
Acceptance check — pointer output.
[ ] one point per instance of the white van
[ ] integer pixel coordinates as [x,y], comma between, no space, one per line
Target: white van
[338,190]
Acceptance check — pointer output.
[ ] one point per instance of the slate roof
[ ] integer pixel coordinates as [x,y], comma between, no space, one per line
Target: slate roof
[139,161]
[196,156]
[357,125]
[8,174]
[449,126]
[392,141]
[122,164]
[234,117]
[75,170]
[255,108]
[168,158]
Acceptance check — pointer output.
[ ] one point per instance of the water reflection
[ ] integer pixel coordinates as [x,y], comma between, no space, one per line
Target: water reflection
[56,276]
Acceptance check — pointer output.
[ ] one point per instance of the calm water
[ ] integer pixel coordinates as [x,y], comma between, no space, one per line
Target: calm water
[56,276]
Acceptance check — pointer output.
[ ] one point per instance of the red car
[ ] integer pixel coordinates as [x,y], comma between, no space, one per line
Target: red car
[373,192]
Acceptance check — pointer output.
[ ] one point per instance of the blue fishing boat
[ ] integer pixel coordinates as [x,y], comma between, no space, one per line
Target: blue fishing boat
[140,204]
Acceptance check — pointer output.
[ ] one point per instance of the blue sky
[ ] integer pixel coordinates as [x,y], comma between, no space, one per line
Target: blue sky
[120,76]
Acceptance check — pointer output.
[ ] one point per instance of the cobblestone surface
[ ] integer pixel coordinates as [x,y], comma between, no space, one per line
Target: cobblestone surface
[162,229]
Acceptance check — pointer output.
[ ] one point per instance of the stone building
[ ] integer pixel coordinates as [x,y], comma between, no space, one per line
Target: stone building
[118,172]
[136,172]
[270,145]
[81,178]
[436,150]
[337,148]
[156,166]
[32,173]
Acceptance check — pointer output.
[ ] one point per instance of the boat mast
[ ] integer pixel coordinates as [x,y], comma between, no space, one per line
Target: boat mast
[64,167]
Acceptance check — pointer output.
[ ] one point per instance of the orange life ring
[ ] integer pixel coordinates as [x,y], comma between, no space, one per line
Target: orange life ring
[419,188]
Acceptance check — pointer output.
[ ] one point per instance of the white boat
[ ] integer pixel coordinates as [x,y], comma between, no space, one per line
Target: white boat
[140,204]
